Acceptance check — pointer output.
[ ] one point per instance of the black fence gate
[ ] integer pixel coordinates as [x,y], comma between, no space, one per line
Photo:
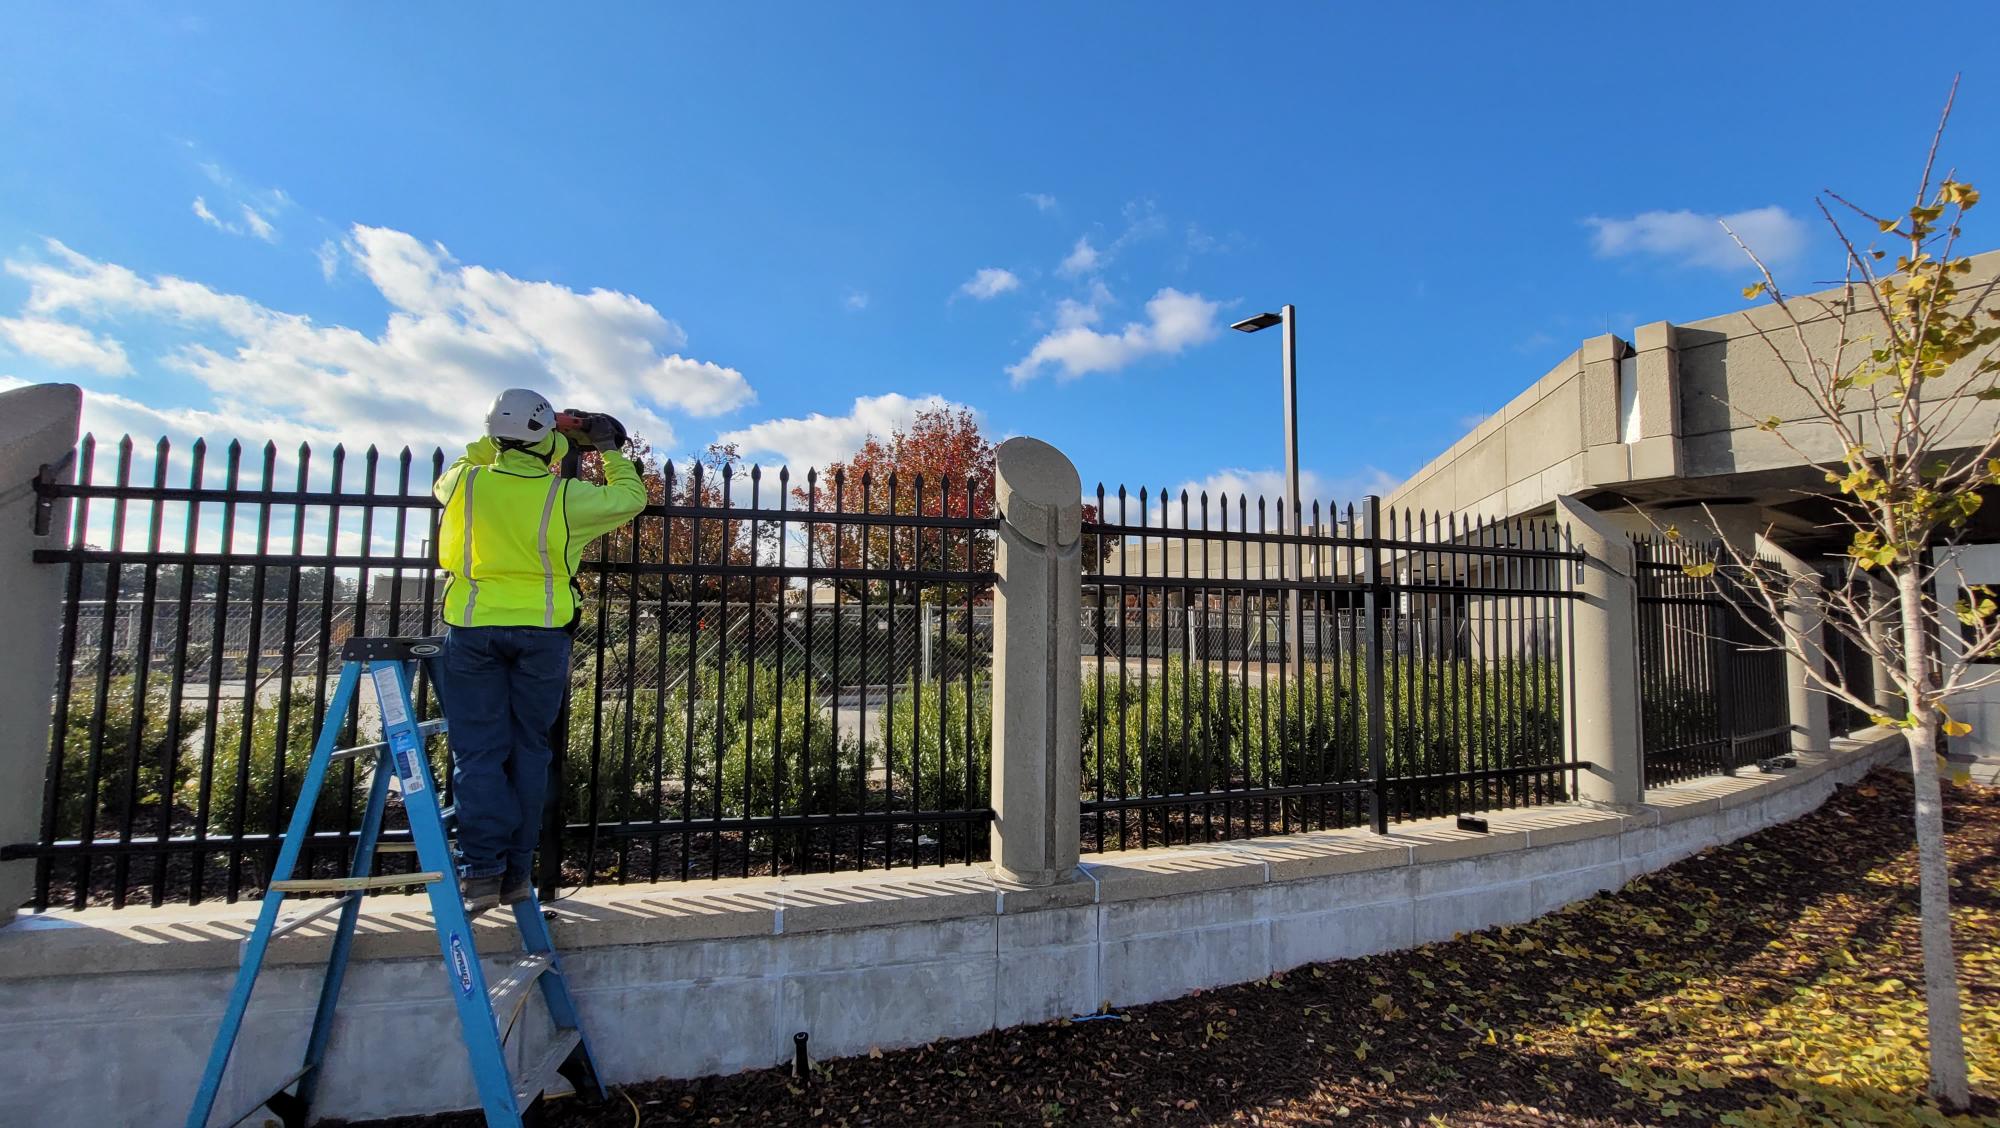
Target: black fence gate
[1712,687]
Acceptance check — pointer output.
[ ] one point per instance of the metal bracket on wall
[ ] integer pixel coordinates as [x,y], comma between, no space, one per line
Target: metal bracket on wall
[47,486]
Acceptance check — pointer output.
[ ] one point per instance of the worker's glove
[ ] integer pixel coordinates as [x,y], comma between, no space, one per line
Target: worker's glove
[605,432]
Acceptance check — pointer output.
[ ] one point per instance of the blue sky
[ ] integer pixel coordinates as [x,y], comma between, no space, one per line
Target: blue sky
[793,223]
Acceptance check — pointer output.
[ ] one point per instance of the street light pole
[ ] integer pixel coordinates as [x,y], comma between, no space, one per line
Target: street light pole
[1294,608]
[1294,561]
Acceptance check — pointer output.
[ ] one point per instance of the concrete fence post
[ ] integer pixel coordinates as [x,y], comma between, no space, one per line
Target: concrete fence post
[1601,707]
[38,426]
[1882,622]
[1811,709]
[1037,662]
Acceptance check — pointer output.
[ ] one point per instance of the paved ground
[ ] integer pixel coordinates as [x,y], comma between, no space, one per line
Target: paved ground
[1768,982]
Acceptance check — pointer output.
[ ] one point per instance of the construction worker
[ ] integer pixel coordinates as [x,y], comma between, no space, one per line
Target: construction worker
[511,536]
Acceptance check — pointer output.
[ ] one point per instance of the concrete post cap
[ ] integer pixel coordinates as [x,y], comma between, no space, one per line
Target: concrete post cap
[1038,491]
[36,408]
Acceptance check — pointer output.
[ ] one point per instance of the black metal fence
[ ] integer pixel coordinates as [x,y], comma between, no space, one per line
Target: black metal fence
[1713,695]
[771,675]
[1245,675]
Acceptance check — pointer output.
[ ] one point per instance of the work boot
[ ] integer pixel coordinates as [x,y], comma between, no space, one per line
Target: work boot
[514,890]
[480,893]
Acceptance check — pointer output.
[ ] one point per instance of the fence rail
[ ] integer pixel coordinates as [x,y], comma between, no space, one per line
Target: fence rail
[770,675]
[1712,689]
[1243,677]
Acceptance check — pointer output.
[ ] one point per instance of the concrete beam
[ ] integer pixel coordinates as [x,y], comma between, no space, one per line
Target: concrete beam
[1602,704]
[38,426]
[1037,679]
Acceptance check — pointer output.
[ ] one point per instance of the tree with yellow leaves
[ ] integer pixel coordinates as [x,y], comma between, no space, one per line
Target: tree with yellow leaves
[1901,371]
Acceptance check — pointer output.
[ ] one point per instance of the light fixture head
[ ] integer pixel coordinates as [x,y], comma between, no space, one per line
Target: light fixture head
[1261,321]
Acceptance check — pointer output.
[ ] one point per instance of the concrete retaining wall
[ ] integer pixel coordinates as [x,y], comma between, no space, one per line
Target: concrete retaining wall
[105,1017]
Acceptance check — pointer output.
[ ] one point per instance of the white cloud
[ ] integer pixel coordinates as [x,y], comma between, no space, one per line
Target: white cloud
[257,208]
[1042,200]
[817,439]
[990,282]
[1175,321]
[1692,239]
[455,336]
[258,225]
[1082,259]
[329,259]
[254,223]
[857,300]
[1072,312]
[1332,493]
[66,345]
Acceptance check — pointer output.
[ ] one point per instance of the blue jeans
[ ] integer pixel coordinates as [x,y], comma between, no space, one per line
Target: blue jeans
[503,688]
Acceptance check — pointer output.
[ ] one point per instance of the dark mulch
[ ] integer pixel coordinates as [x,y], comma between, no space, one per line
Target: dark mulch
[1772,981]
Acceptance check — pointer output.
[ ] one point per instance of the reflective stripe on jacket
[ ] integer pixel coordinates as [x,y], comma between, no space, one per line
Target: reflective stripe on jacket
[513,532]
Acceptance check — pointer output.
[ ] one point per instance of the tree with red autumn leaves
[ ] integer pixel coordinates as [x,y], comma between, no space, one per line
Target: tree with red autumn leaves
[941,465]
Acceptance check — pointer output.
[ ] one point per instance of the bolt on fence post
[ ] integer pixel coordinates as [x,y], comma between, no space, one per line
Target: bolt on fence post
[1371,526]
[38,431]
[1037,663]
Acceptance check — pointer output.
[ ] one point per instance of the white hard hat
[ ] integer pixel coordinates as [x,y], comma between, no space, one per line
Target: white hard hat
[521,415]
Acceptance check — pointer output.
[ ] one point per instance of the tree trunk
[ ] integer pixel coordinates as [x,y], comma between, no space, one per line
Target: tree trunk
[1941,996]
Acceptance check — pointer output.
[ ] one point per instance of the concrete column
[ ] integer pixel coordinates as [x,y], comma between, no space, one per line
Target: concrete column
[1037,665]
[1812,720]
[1657,453]
[38,426]
[1601,707]
[1882,602]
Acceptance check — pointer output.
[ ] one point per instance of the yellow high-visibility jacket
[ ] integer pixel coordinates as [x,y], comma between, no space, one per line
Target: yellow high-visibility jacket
[513,532]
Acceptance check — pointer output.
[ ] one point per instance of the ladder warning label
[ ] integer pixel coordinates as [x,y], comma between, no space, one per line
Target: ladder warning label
[461,967]
[389,692]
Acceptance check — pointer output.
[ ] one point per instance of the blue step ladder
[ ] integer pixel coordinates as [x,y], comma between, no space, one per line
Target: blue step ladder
[487,1014]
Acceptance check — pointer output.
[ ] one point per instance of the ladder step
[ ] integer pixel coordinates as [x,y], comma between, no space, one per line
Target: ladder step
[252,1110]
[510,993]
[344,884]
[427,728]
[535,1082]
[395,848]
[290,924]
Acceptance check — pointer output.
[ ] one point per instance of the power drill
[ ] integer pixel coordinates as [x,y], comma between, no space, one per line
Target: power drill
[591,430]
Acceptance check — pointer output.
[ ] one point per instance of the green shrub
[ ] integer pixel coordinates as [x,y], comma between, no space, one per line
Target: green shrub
[925,747]
[262,803]
[763,766]
[156,743]
[1438,718]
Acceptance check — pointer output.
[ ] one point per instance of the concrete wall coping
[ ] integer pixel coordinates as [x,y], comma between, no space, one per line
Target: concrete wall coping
[183,937]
